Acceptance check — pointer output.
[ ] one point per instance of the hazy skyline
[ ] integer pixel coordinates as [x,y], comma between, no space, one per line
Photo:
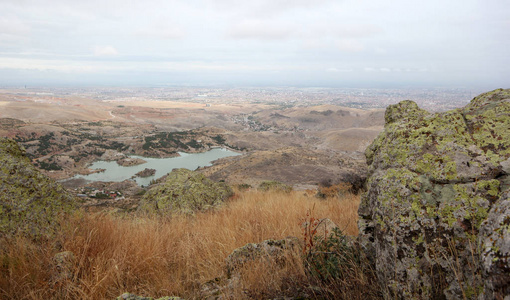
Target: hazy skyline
[344,43]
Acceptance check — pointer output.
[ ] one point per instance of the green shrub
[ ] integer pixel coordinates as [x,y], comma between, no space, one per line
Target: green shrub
[331,258]
[336,264]
[244,186]
[272,185]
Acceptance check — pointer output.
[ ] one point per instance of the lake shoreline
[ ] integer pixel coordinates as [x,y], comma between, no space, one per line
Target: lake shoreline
[116,173]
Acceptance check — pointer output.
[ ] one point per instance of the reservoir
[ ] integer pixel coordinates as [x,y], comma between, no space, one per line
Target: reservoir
[191,161]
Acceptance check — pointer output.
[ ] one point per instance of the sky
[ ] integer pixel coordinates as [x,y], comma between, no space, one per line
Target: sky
[323,43]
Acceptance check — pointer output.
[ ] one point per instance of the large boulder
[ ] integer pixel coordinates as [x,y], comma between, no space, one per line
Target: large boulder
[30,202]
[184,191]
[436,216]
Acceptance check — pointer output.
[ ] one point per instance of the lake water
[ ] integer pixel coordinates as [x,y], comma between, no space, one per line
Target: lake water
[191,161]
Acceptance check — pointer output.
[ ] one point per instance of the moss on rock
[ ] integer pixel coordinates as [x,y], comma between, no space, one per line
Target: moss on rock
[184,191]
[273,249]
[30,202]
[435,180]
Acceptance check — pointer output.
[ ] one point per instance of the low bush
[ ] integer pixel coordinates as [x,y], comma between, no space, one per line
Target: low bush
[337,264]
[357,182]
[272,185]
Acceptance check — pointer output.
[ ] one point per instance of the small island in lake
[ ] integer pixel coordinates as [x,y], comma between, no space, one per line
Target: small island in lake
[146,173]
[129,161]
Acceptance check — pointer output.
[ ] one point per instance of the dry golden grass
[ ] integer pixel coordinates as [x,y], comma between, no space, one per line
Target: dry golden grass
[155,257]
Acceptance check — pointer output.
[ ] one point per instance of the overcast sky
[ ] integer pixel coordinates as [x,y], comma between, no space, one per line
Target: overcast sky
[337,43]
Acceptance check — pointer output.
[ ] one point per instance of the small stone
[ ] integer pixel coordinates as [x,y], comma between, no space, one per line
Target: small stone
[64,265]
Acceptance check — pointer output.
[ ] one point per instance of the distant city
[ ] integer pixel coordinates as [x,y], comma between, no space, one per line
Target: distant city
[431,99]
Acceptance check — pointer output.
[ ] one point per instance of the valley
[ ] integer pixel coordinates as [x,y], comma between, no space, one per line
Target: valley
[292,136]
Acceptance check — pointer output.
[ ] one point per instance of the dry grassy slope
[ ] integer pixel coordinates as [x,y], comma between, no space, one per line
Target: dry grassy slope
[323,127]
[322,117]
[173,256]
[174,119]
[266,140]
[291,165]
[45,112]
[351,139]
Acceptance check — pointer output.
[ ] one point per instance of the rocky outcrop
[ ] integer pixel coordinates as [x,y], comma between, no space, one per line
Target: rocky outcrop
[30,202]
[436,215]
[129,296]
[184,191]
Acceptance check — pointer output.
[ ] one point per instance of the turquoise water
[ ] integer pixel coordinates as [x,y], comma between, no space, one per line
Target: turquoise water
[191,161]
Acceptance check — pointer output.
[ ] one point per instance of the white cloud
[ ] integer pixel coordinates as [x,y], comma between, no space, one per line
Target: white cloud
[323,36]
[267,8]
[350,46]
[336,70]
[105,51]
[314,44]
[161,29]
[261,30]
[396,69]
[45,65]
[13,26]
[357,31]
[380,50]
[91,66]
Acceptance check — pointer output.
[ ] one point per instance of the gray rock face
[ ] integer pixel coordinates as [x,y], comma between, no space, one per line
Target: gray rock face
[436,216]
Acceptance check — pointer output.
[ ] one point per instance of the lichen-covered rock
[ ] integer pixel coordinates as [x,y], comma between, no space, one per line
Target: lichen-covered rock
[30,202]
[436,213]
[184,191]
[129,296]
[64,263]
[271,249]
[495,246]
[268,251]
